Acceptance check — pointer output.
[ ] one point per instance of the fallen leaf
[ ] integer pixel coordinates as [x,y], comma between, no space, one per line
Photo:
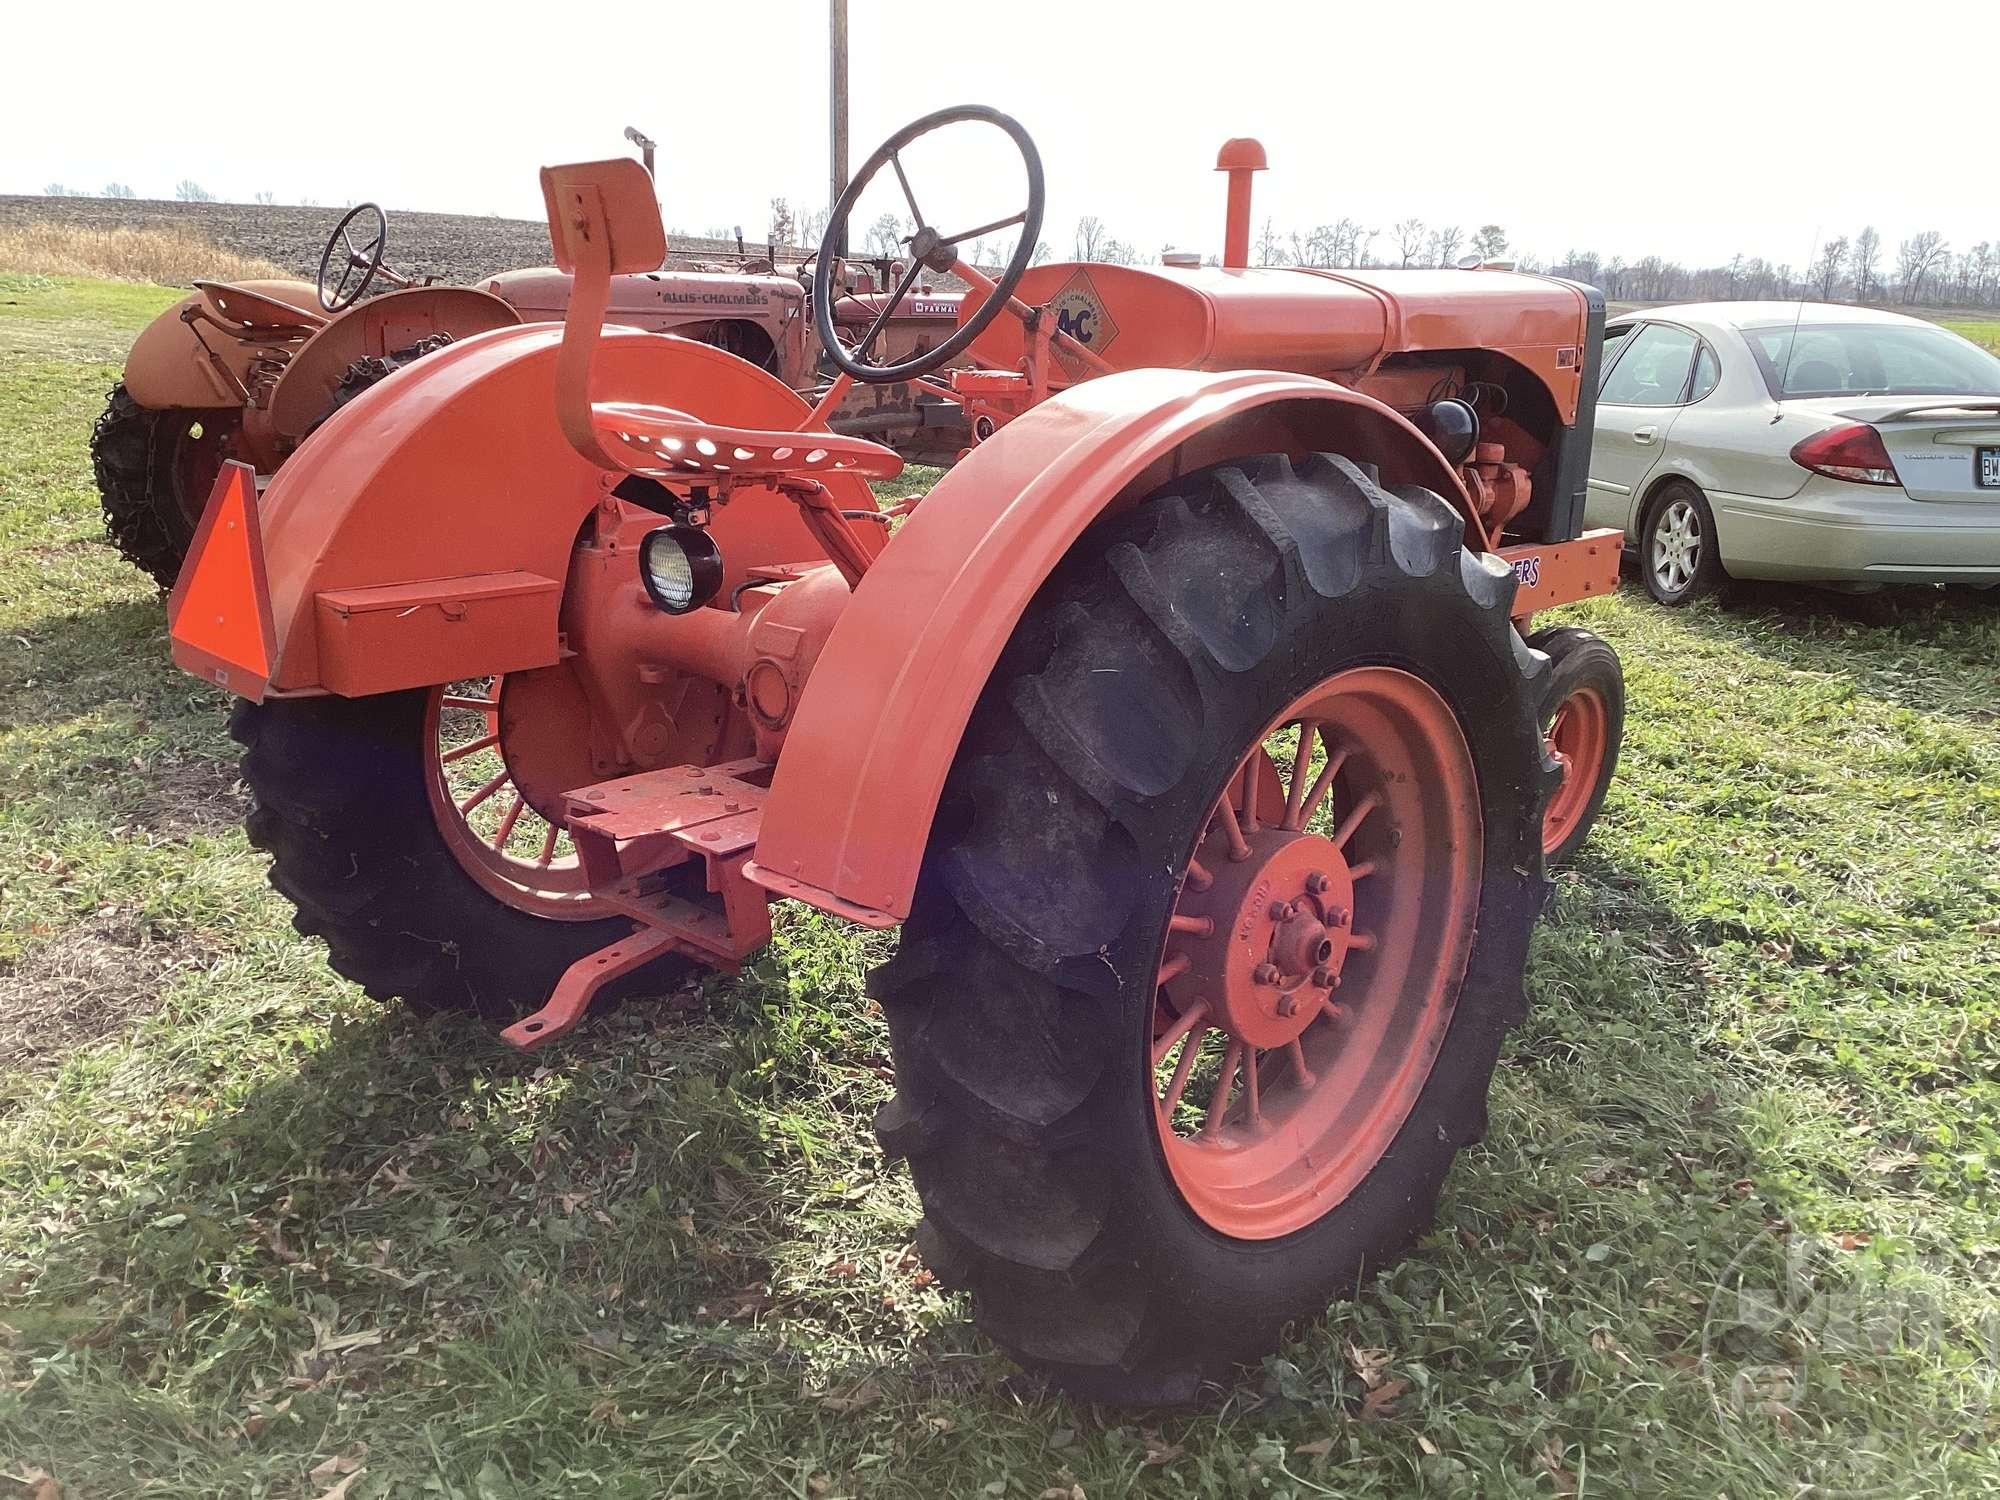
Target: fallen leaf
[341,1463]
[1059,1492]
[1317,1448]
[818,1486]
[1550,1455]
[1380,1402]
[939,1424]
[1427,1445]
[1368,1364]
[863,1393]
[339,1491]
[1159,1453]
[1850,1239]
[41,1485]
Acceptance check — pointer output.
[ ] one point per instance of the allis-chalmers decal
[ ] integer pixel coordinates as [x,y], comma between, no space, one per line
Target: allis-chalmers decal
[750,297]
[1529,570]
[1080,313]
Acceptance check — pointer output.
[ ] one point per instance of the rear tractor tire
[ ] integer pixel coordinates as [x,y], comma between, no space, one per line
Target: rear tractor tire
[154,473]
[1223,921]
[394,830]
[1583,716]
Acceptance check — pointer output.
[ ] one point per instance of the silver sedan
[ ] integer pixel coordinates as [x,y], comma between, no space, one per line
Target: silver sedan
[1804,441]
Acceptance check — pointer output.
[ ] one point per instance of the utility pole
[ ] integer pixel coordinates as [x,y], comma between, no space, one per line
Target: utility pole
[836,93]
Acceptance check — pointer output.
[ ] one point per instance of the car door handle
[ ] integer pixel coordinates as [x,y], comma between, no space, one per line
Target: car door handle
[1644,436]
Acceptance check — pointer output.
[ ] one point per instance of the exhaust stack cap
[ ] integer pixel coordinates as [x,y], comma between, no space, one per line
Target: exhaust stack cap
[1181,260]
[1241,155]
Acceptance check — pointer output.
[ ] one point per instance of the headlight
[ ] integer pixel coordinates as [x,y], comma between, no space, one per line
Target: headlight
[681,567]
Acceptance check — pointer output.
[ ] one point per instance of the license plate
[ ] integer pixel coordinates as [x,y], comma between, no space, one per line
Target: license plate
[1988,462]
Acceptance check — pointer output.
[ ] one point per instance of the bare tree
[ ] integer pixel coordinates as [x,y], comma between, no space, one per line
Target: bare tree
[1916,258]
[1443,248]
[190,191]
[58,190]
[1867,251]
[812,228]
[1490,242]
[885,235]
[1090,237]
[1409,239]
[267,196]
[1826,270]
[1042,253]
[1270,248]
[118,190]
[1115,252]
[784,225]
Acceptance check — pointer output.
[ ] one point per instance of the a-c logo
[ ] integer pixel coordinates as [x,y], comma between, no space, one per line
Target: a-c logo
[1081,313]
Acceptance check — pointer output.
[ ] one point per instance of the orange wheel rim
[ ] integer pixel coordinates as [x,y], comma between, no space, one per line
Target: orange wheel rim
[1577,737]
[1312,959]
[497,837]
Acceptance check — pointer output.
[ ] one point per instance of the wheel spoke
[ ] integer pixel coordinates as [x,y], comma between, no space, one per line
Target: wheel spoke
[1180,1028]
[548,848]
[1250,788]
[1251,1084]
[1361,942]
[1305,1075]
[1219,1101]
[1198,876]
[1361,870]
[471,747]
[972,234]
[909,196]
[1178,1083]
[1192,926]
[484,792]
[1359,811]
[1232,830]
[507,821]
[482,705]
[1301,759]
[1320,788]
[1172,969]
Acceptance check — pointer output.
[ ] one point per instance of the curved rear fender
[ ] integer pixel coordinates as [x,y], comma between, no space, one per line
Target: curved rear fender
[167,368]
[424,532]
[879,723]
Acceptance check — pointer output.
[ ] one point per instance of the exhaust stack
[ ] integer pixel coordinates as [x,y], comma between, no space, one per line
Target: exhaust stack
[1239,158]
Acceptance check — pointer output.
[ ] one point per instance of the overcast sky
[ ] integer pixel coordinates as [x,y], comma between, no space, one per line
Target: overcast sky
[1690,129]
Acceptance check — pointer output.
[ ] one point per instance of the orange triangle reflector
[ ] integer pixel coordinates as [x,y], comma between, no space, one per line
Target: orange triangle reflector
[219,613]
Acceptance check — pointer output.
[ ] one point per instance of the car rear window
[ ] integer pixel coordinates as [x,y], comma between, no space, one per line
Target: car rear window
[1872,359]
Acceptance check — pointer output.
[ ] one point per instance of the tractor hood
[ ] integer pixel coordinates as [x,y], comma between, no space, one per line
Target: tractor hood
[653,298]
[1338,324]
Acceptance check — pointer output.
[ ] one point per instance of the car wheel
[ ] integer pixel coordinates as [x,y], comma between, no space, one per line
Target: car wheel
[1678,553]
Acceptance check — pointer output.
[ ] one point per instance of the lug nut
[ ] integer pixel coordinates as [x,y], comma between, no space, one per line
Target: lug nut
[1325,978]
[1317,882]
[1338,916]
[1280,911]
[1265,974]
[1288,1004]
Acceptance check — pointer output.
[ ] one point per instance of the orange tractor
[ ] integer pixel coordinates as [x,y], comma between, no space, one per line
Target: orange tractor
[1187,727]
[246,371]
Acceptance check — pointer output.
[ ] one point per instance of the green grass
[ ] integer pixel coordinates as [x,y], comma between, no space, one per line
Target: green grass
[251,1222]
[1984,331]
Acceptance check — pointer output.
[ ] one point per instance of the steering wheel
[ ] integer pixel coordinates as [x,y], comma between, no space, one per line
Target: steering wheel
[929,249]
[334,295]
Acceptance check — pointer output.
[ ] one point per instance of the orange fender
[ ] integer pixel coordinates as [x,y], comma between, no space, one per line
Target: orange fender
[168,370]
[424,532]
[850,806]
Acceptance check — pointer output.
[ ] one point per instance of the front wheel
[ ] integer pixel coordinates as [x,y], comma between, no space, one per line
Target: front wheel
[1222,924]
[154,471]
[1583,717]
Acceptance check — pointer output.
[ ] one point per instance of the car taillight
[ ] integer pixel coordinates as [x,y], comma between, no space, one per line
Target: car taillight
[1854,452]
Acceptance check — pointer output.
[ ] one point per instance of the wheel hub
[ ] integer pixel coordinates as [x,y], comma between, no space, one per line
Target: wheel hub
[1269,934]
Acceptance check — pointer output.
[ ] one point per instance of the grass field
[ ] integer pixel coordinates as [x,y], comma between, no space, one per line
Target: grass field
[261,1236]
[1981,331]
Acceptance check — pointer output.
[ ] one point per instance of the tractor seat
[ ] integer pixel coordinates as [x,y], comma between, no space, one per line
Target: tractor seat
[662,443]
[254,311]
